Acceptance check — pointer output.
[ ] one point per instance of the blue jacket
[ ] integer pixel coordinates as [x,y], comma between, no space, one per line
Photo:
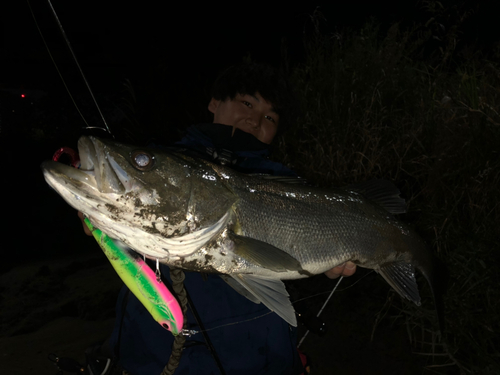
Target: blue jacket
[247,337]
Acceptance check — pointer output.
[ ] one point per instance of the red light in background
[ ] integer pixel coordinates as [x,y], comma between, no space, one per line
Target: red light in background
[23,96]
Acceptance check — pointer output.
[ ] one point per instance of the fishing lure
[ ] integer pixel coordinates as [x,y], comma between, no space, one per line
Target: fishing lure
[142,281]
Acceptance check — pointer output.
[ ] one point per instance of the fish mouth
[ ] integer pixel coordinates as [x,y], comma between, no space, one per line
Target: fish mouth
[98,174]
[98,182]
[98,171]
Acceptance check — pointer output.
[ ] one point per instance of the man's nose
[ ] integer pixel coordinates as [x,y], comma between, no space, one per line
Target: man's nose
[253,121]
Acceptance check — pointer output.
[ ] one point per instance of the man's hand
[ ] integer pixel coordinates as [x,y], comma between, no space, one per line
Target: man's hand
[345,269]
[85,227]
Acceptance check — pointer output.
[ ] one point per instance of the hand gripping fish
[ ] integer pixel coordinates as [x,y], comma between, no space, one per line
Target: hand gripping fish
[253,230]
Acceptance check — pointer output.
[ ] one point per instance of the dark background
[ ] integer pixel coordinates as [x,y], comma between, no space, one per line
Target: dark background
[170,59]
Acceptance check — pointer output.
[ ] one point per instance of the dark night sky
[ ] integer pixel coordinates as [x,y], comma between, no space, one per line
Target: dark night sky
[185,37]
[189,44]
[170,56]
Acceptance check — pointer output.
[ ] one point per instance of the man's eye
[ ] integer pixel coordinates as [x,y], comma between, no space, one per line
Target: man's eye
[270,119]
[247,104]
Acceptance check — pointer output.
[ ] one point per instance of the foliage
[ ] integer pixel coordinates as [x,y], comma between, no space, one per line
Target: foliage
[392,107]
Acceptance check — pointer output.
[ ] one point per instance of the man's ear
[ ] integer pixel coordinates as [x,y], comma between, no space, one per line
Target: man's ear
[213,105]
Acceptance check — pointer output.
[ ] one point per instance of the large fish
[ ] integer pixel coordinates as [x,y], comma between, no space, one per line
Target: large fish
[253,230]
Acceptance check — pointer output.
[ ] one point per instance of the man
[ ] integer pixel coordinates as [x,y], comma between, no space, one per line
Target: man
[250,103]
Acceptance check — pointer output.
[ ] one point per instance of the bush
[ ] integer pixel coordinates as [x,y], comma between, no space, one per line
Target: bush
[388,108]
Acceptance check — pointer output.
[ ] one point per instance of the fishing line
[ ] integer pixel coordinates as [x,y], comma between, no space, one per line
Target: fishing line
[55,65]
[321,310]
[77,64]
[340,290]
[191,332]
[205,336]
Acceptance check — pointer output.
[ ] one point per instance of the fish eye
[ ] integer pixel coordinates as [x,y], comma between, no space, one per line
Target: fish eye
[142,160]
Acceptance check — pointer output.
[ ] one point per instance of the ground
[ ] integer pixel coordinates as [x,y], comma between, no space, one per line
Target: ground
[58,307]
[65,306]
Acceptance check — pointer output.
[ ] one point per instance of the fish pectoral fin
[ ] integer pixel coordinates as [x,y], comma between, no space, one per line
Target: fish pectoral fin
[264,254]
[401,276]
[239,288]
[272,293]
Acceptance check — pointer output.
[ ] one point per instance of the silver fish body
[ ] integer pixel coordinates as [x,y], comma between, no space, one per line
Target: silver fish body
[255,230]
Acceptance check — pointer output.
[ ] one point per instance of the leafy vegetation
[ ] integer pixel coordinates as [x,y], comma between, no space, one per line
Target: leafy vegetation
[393,104]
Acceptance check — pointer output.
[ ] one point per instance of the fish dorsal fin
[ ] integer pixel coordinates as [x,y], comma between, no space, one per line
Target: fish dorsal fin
[382,192]
[271,293]
[263,254]
[401,276]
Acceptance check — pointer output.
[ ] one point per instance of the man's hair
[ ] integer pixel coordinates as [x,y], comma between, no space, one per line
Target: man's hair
[250,78]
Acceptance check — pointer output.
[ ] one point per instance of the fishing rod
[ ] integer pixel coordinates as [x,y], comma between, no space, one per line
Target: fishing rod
[321,310]
[68,44]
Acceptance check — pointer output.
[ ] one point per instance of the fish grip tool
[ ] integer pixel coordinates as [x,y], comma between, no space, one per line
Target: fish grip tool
[177,276]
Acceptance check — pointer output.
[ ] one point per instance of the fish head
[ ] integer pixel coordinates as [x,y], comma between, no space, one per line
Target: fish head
[162,204]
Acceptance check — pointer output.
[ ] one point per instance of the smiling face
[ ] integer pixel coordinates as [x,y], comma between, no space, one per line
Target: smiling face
[249,113]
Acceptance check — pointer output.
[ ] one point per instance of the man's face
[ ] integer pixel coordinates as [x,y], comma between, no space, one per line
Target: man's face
[249,113]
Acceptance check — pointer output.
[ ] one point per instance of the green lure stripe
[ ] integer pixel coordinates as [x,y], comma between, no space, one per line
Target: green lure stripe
[142,282]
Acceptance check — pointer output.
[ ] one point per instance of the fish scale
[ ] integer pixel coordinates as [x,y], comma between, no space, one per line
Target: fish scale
[311,230]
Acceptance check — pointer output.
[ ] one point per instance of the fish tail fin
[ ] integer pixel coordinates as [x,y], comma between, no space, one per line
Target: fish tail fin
[437,276]
[401,276]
